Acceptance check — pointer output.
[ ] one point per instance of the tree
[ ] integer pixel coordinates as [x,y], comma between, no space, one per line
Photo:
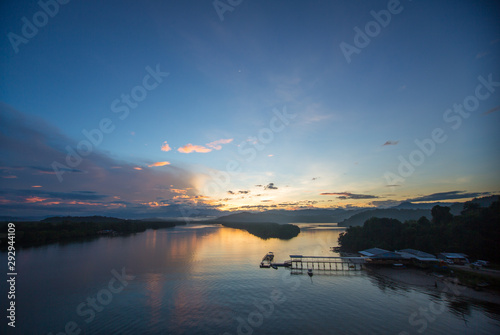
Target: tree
[441,214]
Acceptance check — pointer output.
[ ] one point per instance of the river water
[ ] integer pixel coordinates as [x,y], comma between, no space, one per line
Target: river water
[199,279]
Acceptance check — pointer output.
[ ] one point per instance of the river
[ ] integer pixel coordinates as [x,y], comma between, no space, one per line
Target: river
[199,279]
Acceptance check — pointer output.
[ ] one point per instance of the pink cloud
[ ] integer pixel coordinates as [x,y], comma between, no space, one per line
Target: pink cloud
[188,148]
[159,164]
[217,144]
[165,147]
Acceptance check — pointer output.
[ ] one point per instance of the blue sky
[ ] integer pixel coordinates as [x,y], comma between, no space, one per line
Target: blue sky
[226,81]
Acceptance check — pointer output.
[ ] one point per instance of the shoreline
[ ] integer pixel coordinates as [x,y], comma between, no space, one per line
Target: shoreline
[417,277]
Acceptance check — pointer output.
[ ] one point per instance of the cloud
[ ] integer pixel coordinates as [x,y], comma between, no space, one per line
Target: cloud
[159,164]
[494,109]
[448,196]
[29,147]
[165,147]
[75,195]
[243,192]
[481,54]
[270,186]
[385,203]
[188,148]
[348,195]
[217,144]
[390,143]
[230,192]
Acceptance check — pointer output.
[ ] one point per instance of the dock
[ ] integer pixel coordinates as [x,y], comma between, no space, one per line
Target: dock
[323,263]
[300,262]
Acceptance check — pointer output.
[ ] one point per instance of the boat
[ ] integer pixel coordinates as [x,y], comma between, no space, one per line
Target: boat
[266,261]
[268,257]
[274,266]
[310,272]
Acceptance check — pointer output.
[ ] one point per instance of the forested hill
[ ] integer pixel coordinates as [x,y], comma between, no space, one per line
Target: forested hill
[475,232]
[399,214]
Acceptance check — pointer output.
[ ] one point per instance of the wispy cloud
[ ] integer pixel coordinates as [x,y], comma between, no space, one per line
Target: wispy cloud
[348,195]
[448,196]
[494,109]
[159,164]
[390,143]
[217,144]
[481,54]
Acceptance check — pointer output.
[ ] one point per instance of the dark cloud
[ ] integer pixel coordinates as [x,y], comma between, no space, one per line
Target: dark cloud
[243,192]
[230,192]
[385,203]
[270,186]
[390,143]
[78,195]
[97,184]
[448,196]
[348,195]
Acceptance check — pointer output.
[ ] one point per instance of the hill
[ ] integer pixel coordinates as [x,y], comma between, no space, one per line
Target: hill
[391,213]
[266,230]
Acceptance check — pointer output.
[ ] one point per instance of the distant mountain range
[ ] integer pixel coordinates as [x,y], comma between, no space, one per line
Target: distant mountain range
[351,217]
[344,217]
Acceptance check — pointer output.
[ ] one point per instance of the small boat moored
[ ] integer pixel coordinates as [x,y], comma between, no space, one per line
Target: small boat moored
[310,272]
[266,261]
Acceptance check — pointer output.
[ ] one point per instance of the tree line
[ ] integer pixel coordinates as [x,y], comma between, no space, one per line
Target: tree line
[266,230]
[66,228]
[475,232]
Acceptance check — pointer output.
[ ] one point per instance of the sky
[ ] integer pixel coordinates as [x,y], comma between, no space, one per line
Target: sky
[187,108]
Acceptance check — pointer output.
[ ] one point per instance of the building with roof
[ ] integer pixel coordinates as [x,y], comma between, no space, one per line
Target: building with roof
[382,256]
[418,257]
[453,257]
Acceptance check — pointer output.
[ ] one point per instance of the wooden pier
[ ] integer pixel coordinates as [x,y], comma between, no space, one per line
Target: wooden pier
[299,262]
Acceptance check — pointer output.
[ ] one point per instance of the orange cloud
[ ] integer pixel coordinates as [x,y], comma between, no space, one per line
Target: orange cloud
[33,199]
[159,164]
[217,144]
[188,148]
[178,191]
[165,147]
[36,186]
[138,168]
[154,204]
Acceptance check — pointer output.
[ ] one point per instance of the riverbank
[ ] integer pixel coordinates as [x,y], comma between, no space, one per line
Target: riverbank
[436,282]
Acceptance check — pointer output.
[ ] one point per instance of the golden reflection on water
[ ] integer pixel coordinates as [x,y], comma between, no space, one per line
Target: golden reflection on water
[211,255]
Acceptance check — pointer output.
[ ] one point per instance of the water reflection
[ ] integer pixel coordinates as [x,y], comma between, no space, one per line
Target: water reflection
[201,279]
